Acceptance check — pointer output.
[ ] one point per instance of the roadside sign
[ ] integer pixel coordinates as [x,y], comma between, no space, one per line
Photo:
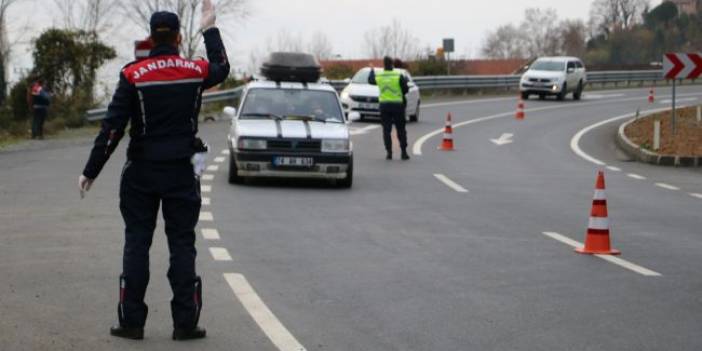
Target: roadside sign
[682,65]
[448,45]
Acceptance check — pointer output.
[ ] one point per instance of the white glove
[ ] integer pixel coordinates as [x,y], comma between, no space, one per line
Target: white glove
[199,162]
[208,18]
[84,184]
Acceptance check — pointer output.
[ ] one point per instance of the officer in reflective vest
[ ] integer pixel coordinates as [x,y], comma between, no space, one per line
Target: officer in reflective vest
[393,88]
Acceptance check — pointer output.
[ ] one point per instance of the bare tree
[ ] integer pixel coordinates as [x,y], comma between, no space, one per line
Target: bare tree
[6,46]
[92,16]
[139,11]
[611,15]
[393,40]
[320,46]
[540,30]
[574,38]
[505,42]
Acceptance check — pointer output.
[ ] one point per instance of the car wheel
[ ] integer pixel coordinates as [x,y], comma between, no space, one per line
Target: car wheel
[415,117]
[234,177]
[347,182]
[562,95]
[578,94]
[525,96]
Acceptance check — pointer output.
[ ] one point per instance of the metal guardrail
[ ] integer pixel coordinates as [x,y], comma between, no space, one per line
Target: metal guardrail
[449,82]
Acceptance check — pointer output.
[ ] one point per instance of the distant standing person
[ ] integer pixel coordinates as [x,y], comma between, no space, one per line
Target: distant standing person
[393,88]
[39,101]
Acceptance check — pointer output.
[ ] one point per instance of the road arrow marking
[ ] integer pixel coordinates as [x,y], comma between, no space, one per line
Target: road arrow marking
[505,139]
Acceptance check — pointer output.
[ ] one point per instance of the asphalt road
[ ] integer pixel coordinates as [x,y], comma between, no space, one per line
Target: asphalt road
[402,261]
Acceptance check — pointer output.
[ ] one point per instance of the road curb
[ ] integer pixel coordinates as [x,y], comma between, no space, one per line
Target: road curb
[646,156]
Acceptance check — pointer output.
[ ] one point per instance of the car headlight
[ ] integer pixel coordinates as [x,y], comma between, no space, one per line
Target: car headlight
[252,144]
[335,145]
[345,95]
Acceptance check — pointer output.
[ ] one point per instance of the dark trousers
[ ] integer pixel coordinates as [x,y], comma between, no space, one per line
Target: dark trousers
[38,122]
[393,114]
[146,185]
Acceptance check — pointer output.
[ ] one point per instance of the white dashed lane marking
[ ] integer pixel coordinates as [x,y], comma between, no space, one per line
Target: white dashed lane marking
[450,183]
[207,177]
[219,159]
[614,169]
[206,216]
[206,201]
[636,176]
[213,168]
[611,259]
[210,234]
[205,188]
[261,314]
[220,254]
[667,186]
[695,195]
[226,152]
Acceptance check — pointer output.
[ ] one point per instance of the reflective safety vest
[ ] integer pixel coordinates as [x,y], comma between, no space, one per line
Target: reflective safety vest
[389,84]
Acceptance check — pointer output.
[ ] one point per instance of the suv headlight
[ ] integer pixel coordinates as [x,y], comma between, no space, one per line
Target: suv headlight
[252,144]
[335,145]
[345,95]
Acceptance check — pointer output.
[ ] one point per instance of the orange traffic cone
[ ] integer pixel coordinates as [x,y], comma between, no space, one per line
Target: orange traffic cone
[520,110]
[651,96]
[447,144]
[597,240]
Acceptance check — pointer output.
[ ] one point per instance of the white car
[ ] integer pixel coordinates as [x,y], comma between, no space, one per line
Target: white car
[289,129]
[361,97]
[557,76]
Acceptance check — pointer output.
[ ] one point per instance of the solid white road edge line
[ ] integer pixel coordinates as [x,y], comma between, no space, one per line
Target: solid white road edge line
[450,183]
[210,234]
[667,186]
[220,254]
[261,314]
[636,176]
[611,259]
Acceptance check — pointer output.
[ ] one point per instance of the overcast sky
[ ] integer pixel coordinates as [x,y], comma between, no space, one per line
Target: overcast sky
[343,21]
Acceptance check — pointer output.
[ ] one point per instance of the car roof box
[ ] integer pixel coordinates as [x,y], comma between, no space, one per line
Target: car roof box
[292,67]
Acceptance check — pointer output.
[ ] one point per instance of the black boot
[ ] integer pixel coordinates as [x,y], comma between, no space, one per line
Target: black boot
[389,155]
[405,155]
[127,333]
[189,334]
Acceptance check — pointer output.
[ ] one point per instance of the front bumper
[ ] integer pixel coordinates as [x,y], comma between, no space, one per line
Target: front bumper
[540,88]
[351,105]
[260,164]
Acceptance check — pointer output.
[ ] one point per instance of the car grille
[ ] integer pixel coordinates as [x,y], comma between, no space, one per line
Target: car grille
[368,99]
[295,145]
[535,80]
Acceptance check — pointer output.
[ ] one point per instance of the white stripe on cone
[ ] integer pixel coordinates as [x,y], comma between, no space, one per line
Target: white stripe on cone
[600,195]
[599,223]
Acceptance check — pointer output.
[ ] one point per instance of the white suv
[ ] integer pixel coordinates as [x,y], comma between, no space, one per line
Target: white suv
[557,76]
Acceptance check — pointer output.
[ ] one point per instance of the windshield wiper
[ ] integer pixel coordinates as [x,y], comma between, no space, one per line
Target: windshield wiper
[266,115]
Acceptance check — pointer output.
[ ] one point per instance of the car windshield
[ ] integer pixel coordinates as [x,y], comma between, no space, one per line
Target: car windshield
[553,66]
[361,77]
[314,105]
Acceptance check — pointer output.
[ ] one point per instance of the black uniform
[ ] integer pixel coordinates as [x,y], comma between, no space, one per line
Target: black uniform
[40,101]
[393,113]
[161,96]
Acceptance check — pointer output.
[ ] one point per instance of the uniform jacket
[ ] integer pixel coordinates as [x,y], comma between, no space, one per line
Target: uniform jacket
[404,86]
[39,97]
[161,97]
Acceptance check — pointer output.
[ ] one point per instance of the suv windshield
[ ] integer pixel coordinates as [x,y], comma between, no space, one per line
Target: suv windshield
[292,104]
[553,66]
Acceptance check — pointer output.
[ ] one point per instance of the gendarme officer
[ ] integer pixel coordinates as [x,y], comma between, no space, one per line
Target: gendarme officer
[161,97]
[393,88]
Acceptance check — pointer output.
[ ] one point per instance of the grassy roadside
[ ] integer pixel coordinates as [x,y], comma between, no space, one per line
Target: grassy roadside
[9,140]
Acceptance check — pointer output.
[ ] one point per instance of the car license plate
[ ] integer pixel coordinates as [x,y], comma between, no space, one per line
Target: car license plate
[293,162]
[367,106]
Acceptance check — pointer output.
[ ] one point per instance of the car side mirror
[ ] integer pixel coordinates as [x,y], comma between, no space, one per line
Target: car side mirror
[354,116]
[229,112]
[347,80]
